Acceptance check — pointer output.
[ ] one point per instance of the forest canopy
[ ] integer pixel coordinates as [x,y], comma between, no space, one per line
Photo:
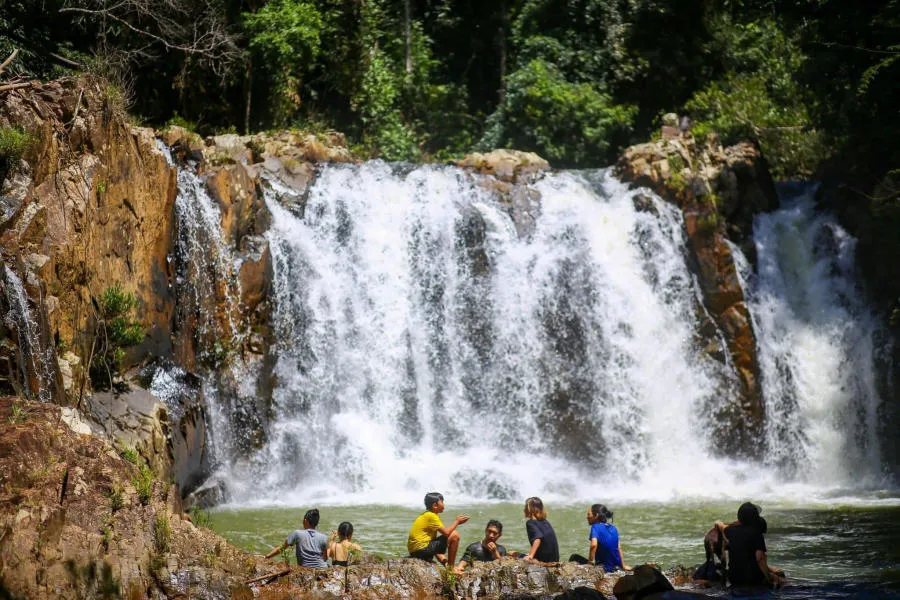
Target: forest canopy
[813,82]
[574,80]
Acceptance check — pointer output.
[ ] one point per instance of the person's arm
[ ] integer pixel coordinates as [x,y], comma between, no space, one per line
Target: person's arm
[446,530]
[762,561]
[494,550]
[278,549]
[534,548]
[592,552]
[622,559]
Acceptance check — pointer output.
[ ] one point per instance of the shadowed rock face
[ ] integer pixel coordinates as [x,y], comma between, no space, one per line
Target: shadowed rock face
[719,190]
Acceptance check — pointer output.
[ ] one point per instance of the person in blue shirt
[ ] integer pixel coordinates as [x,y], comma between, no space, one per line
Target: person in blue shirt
[605,549]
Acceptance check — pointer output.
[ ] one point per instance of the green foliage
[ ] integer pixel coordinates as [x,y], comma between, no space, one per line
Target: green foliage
[162,534]
[708,223]
[14,142]
[569,124]
[117,330]
[129,454]
[143,484]
[284,40]
[116,496]
[384,131]
[18,412]
[199,516]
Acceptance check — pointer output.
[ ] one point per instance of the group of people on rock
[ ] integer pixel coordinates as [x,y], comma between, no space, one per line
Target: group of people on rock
[430,539]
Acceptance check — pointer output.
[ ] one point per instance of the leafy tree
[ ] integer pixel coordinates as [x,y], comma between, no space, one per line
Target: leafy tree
[285,39]
[569,124]
[117,329]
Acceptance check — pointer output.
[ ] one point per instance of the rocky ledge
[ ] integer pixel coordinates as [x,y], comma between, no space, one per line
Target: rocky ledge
[718,190]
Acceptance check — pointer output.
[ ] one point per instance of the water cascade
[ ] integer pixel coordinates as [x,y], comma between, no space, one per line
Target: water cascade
[819,345]
[33,359]
[426,339]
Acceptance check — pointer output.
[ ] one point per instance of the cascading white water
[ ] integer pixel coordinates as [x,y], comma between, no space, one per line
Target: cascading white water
[565,366]
[817,343]
[32,357]
[427,341]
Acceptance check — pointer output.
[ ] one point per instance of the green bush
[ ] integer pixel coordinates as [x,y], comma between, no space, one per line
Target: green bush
[569,124]
[129,454]
[14,143]
[162,534]
[143,484]
[117,329]
[116,497]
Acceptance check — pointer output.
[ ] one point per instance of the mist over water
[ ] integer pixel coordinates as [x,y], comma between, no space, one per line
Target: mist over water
[427,341]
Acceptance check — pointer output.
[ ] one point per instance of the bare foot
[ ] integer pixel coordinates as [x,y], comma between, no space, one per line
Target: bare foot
[458,570]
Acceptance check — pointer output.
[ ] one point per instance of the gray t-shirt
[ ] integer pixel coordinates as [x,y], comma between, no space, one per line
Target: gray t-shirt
[310,545]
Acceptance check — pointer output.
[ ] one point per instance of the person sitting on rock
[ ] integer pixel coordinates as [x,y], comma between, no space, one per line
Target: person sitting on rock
[713,570]
[544,547]
[605,549]
[747,554]
[341,545]
[487,549]
[311,545]
[429,538]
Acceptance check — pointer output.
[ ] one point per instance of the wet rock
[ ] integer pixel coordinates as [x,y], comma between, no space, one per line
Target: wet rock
[513,166]
[134,419]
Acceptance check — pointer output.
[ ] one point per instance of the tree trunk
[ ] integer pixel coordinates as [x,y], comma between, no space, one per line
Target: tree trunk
[408,25]
[249,80]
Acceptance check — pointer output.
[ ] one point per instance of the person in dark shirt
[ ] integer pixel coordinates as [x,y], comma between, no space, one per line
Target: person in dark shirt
[544,547]
[747,554]
[487,549]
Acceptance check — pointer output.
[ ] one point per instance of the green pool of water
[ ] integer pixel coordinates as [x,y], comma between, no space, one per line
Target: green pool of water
[815,546]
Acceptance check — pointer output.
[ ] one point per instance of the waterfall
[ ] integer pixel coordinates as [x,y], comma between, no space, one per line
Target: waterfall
[818,347]
[34,361]
[426,339]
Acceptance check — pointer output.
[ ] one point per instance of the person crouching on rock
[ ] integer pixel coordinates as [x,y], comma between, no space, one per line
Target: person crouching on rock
[747,554]
[429,538]
[541,536]
[487,549]
[311,545]
[605,549]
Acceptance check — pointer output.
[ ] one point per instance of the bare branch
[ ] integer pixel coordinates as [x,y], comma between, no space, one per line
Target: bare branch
[14,86]
[6,62]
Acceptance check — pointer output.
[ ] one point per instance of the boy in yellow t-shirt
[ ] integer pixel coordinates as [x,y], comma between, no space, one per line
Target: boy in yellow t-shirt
[425,543]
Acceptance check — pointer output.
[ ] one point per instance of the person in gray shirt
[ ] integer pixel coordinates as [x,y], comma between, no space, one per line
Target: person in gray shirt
[311,545]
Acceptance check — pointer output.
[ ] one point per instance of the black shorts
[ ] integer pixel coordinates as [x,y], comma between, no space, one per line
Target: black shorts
[437,546]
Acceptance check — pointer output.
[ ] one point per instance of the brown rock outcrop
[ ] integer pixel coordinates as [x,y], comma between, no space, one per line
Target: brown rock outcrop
[97,206]
[718,190]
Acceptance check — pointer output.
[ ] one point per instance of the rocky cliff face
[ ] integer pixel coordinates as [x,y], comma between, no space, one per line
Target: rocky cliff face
[719,190]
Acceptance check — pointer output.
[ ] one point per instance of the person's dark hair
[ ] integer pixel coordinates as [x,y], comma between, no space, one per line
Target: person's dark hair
[534,509]
[602,513]
[495,523]
[345,530]
[312,517]
[748,514]
[431,498]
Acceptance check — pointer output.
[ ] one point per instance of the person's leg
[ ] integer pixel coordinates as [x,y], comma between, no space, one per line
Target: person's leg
[452,545]
[577,558]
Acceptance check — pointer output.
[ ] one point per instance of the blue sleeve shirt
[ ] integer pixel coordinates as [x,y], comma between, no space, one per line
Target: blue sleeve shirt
[607,537]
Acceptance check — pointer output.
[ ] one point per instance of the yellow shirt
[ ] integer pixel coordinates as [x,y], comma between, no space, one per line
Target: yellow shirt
[424,529]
